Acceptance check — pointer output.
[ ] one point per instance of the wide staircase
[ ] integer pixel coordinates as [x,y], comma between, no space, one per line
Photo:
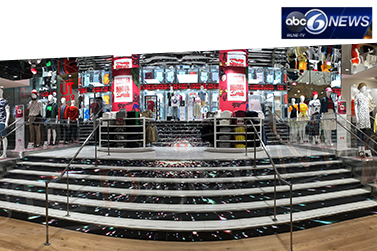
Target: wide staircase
[180,133]
[178,200]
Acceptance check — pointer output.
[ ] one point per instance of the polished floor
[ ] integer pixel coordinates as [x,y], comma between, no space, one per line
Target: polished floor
[184,153]
[352,235]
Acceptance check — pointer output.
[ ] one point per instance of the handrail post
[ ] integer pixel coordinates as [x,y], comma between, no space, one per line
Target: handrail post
[291,216]
[255,148]
[47,243]
[108,137]
[275,219]
[245,124]
[67,193]
[95,140]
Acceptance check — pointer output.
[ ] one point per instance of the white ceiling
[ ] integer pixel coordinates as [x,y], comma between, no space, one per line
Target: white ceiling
[12,84]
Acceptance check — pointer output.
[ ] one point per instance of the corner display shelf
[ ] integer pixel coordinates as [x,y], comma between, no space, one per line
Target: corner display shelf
[225,132]
[124,135]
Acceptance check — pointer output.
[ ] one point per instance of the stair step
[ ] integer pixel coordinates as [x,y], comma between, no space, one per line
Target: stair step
[211,225]
[183,193]
[136,168]
[181,208]
[181,180]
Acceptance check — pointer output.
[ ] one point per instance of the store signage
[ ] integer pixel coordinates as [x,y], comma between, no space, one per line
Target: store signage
[238,60]
[342,107]
[123,89]
[102,89]
[236,87]
[122,63]
[66,90]
[326,22]
[20,132]
[267,87]
[179,86]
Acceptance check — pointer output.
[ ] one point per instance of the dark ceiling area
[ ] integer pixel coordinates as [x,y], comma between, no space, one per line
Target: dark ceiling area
[15,70]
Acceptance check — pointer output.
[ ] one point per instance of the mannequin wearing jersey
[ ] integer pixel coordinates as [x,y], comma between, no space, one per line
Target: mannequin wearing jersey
[73,115]
[315,117]
[328,113]
[51,116]
[4,119]
[292,115]
[302,117]
[63,119]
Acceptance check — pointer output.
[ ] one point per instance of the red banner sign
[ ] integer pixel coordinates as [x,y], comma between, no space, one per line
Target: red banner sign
[179,86]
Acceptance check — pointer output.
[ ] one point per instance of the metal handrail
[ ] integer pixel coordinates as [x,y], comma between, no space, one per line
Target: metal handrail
[362,141]
[366,135]
[14,129]
[10,124]
[276,173]
[352,125]
[47,182]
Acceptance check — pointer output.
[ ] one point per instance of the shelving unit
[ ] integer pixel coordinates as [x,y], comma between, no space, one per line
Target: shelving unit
[224,141]
[124,135]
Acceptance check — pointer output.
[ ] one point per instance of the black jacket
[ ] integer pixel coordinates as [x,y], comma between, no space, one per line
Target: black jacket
[324,105]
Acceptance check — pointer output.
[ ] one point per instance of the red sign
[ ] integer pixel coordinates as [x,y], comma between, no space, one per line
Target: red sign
[123,63]
[342,107]
[66,90]
[179,86]
[268,87]
[236,87]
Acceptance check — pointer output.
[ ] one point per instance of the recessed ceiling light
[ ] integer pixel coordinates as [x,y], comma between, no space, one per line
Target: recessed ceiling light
[15,76]
[347,69]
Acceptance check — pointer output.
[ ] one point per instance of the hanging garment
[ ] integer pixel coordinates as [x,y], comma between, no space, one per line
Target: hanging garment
[152,135]
[362,106]
[375,124]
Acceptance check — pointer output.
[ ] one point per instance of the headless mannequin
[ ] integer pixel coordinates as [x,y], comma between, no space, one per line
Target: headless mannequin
[301,130]
[359,117]
[7,113]
[53,129]
[63,123]
[293,114]
[72,118]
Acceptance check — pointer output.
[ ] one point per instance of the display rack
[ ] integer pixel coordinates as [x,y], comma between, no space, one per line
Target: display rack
[224,134]
[124,135]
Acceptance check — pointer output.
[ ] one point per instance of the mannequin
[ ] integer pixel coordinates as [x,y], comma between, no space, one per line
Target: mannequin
[292,115]
[315,116]
[302,117]
[175,104]
[372,105]
[169,96]
[51,119]
[35,113]
[362,115]
[197,106]
[4,119]
[73,115]
[328,112]
[202,95]
[63,119]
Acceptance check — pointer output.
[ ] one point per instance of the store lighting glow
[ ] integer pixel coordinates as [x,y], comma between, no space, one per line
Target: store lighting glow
[294,83]
[347,69]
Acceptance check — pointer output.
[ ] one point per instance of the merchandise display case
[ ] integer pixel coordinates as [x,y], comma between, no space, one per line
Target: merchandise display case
[124,134]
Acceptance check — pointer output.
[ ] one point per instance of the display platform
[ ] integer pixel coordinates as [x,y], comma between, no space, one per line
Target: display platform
[180,153]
